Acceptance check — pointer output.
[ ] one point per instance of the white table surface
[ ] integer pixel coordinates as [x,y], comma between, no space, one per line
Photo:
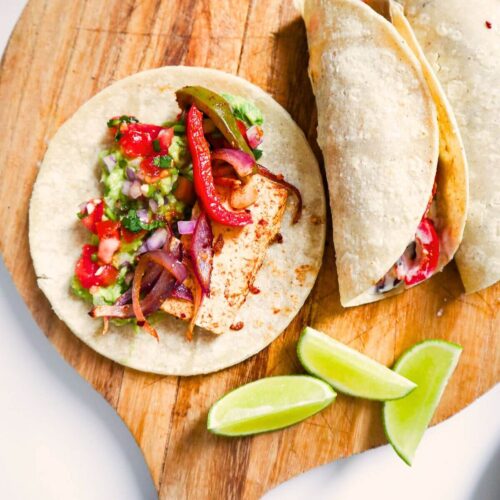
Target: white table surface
[60,439]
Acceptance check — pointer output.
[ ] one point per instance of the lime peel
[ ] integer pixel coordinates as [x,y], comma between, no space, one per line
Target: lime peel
[348,370]
[429,364]
[269,404]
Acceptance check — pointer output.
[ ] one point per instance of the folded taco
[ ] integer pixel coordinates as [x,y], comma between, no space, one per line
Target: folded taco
[462,42]
[395,164]
[179,223]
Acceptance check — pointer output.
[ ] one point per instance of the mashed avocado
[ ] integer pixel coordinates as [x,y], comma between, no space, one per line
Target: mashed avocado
[244,109]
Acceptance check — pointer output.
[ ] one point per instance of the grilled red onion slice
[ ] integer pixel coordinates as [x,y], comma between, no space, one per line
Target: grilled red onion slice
[290,187]
[149,279]
[176,268]
[182,292]
[242,162]
[186,226]
[202,253]
[150,304]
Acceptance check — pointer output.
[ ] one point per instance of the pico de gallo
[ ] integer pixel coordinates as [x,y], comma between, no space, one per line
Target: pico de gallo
[420,258]
[151,229]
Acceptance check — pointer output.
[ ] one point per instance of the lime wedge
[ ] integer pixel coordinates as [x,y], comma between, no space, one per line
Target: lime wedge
[429,364]
[347,370]
[268,404]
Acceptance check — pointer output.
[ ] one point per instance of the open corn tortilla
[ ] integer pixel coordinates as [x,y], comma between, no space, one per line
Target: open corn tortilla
[383,124]
[69,174]
[461,40]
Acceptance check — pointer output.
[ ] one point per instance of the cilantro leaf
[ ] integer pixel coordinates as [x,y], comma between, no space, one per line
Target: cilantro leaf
[163,161]
[132,222]
[257,153]
[115,122]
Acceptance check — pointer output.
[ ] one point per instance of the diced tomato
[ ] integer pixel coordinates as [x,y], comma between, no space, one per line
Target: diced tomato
[108,229]
[184,191]
[107,248]
[109,240]
[89,273]
[152,173]
[92,213]
[137,139]
[427,249]
[129,236]
[165,139]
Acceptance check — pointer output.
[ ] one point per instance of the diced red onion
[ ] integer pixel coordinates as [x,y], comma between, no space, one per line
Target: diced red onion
[143,215]
[110,162]
[130,174]
[157,239]
[186,226]
[153,205]
[126,188]
[201,252]
[242,162]
[135,190]
[255,136]
[142,249]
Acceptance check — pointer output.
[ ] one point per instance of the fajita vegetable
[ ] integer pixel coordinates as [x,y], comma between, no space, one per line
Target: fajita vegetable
[179,220]
[396,168]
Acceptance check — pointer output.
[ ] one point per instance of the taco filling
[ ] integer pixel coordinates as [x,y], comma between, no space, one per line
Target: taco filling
[186,215]
[421,257]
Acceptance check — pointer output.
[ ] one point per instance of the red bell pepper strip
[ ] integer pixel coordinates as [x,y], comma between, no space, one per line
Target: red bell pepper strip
[202,175]
[427,253]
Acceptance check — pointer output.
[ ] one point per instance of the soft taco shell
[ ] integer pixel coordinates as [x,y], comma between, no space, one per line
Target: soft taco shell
[452,173]
[69,175]
[461,40]
[377,128]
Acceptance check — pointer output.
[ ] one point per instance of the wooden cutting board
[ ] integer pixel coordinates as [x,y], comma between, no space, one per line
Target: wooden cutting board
[60,54]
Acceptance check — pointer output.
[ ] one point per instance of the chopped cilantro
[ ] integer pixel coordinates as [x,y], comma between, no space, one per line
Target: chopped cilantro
[179,128]
[132,222]
[156,145]
[93,257]
[257,153]
[122,163]
[163,161]
[115,122]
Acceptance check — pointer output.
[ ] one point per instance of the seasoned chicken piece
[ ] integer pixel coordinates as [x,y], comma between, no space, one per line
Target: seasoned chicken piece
[237,262]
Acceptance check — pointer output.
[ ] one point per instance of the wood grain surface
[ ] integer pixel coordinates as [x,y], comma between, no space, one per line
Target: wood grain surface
[60,54]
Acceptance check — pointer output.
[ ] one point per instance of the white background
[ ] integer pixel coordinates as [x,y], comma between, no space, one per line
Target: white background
[60,439]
